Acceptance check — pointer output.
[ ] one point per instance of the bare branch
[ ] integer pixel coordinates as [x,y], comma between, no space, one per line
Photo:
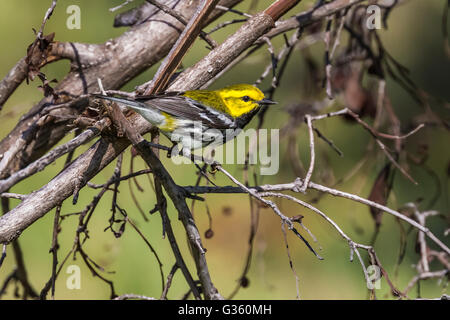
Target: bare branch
[297,184]
[13,195]
[56,153]
[272,205]
[184,42]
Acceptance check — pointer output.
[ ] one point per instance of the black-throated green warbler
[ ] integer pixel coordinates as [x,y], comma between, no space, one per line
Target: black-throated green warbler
[198,118]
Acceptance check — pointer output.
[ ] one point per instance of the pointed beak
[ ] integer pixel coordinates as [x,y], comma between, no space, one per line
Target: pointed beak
[266,101]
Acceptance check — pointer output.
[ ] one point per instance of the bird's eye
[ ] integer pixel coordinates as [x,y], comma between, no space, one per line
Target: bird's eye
[246,98]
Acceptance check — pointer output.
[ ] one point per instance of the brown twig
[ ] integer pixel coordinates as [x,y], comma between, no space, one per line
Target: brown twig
[155,254]
[122,178]
[179,17]
[280,7]
[54,249]
[168,282]
[19,72]
[184,42]
[291,263]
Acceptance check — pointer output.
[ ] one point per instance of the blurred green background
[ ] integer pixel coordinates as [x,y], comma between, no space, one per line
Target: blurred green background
[414,38]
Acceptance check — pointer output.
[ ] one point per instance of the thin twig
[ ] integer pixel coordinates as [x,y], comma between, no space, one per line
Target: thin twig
[155,254]
[13,195]
[180,48]
[54,248]
[3,256]
[327,39]
[128,296]
[47,16]
[120,6]
[272,205]
[424,276]
[180,18]
[375,135]
[233,11]
[224,24]
[294,186]
[122,178]
[291,264]
[168,282]
[312,154]
[56,153]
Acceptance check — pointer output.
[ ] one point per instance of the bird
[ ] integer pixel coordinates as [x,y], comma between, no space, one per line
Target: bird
[198,118]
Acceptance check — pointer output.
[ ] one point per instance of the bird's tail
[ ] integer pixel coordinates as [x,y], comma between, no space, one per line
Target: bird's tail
[152,115]
[139,106]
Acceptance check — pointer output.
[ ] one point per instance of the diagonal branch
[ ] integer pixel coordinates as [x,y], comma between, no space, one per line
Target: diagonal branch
[184,42]
[49,158]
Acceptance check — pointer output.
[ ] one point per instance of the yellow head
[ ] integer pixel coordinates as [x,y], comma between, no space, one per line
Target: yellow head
[240,99]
